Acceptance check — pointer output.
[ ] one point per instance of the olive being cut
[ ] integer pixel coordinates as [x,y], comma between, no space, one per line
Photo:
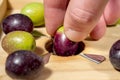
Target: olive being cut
[114,55]
[23,64]
[15,22]
[62,46]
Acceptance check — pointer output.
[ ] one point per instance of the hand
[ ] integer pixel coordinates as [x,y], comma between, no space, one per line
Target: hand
[81,17]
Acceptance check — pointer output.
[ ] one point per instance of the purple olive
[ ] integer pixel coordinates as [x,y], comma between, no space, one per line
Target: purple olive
[24,64]
[17,22]
[62,46]
[114,55]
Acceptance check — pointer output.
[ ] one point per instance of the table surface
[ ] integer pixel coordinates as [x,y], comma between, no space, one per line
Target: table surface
[75,67]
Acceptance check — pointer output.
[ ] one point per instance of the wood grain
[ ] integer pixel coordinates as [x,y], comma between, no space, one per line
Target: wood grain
[74,67]
[3,8]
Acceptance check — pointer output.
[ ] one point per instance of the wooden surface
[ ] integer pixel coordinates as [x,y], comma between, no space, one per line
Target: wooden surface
[3,8]
[74,67]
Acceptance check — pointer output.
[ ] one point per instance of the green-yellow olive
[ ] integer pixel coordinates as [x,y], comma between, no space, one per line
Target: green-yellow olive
[18,40]
[35,11]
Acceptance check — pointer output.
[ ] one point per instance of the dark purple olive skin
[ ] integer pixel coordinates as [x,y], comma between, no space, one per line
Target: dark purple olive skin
[62,46]
[23,64]
[17,22]
[114,55]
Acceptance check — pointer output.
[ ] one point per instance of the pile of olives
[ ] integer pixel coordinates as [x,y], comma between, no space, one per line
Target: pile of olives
[22,62]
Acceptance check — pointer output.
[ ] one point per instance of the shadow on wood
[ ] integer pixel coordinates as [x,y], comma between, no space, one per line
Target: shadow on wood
[44,74]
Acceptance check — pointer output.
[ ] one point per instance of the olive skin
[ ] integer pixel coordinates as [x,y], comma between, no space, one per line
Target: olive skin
[23,64]
[62,46]
[114,55]
[17,22]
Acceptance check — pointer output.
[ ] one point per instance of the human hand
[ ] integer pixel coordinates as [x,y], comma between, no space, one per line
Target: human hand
[81,17]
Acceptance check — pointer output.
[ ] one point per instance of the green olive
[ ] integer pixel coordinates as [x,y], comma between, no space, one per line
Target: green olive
[18,40]
[35,11]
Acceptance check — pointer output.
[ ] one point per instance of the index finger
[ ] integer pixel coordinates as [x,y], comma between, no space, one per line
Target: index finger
[54,14]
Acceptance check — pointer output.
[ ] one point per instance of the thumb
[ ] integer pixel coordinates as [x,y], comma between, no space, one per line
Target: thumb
[81,17]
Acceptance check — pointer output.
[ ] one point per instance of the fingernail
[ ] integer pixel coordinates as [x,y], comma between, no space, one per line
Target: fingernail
[75,36]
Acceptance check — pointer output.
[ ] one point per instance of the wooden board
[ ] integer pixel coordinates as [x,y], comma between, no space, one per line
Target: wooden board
[74,67]
[3,8]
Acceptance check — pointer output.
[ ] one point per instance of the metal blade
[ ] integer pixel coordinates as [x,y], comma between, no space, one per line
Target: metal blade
[96,58]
